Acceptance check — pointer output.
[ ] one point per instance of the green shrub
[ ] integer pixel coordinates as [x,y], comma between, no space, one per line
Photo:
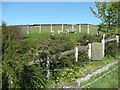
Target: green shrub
[85,39]
[33,77]
[111,49]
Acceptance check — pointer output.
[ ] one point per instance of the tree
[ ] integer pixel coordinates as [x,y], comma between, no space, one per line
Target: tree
[109,13]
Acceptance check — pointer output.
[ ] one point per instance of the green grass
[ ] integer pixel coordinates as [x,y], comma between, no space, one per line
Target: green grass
[108,81]
[94,65]
[46,29]
[45,33]
[83,69]
[40,36]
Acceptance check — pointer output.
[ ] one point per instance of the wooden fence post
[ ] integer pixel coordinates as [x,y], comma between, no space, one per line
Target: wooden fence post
[76,54]
[48,68]
[27,29]
[79,28]
[103,43]
[89,50]
[40,29]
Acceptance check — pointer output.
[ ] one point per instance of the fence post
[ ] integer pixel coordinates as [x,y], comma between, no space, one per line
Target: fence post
[103,43]
[89,50]
[79,28]
[72,26]
[27,29]
[62,28]
[76,54]
[117,39]
[48,68]
[51,28]
[88,29]
[40,29]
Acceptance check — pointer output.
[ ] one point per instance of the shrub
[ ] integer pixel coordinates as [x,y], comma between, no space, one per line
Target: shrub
[111,49]
[85,39]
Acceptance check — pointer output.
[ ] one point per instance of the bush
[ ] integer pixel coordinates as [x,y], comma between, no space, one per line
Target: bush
[85,39]
[111,49]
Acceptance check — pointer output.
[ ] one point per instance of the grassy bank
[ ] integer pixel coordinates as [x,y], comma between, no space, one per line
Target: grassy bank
[81,70]
[108,81]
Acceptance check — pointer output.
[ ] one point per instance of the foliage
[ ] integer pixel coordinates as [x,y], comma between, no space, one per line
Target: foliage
[85,39]
[16,54]
[69,73]
[32,77]
[111,49]
[108,12]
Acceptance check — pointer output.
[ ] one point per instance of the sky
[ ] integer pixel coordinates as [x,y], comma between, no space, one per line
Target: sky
[15,13]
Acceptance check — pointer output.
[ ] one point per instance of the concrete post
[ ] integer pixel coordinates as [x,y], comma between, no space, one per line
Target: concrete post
[88,29]
[103,43]
[79,28]
[72,26]
[89,50]
[76,54]
[27,29]
[51,28]
[40,29]
[62,28]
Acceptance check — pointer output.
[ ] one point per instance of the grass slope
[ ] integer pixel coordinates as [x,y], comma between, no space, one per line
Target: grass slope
[46,29]
[82,70]
[108,81]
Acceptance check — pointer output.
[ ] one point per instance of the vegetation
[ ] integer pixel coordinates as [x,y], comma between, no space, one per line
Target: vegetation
[109,13]
[16,53]
[46,29]
[18,49]
[111,79]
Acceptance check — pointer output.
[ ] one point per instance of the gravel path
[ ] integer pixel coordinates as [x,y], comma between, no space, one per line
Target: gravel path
[87,77]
